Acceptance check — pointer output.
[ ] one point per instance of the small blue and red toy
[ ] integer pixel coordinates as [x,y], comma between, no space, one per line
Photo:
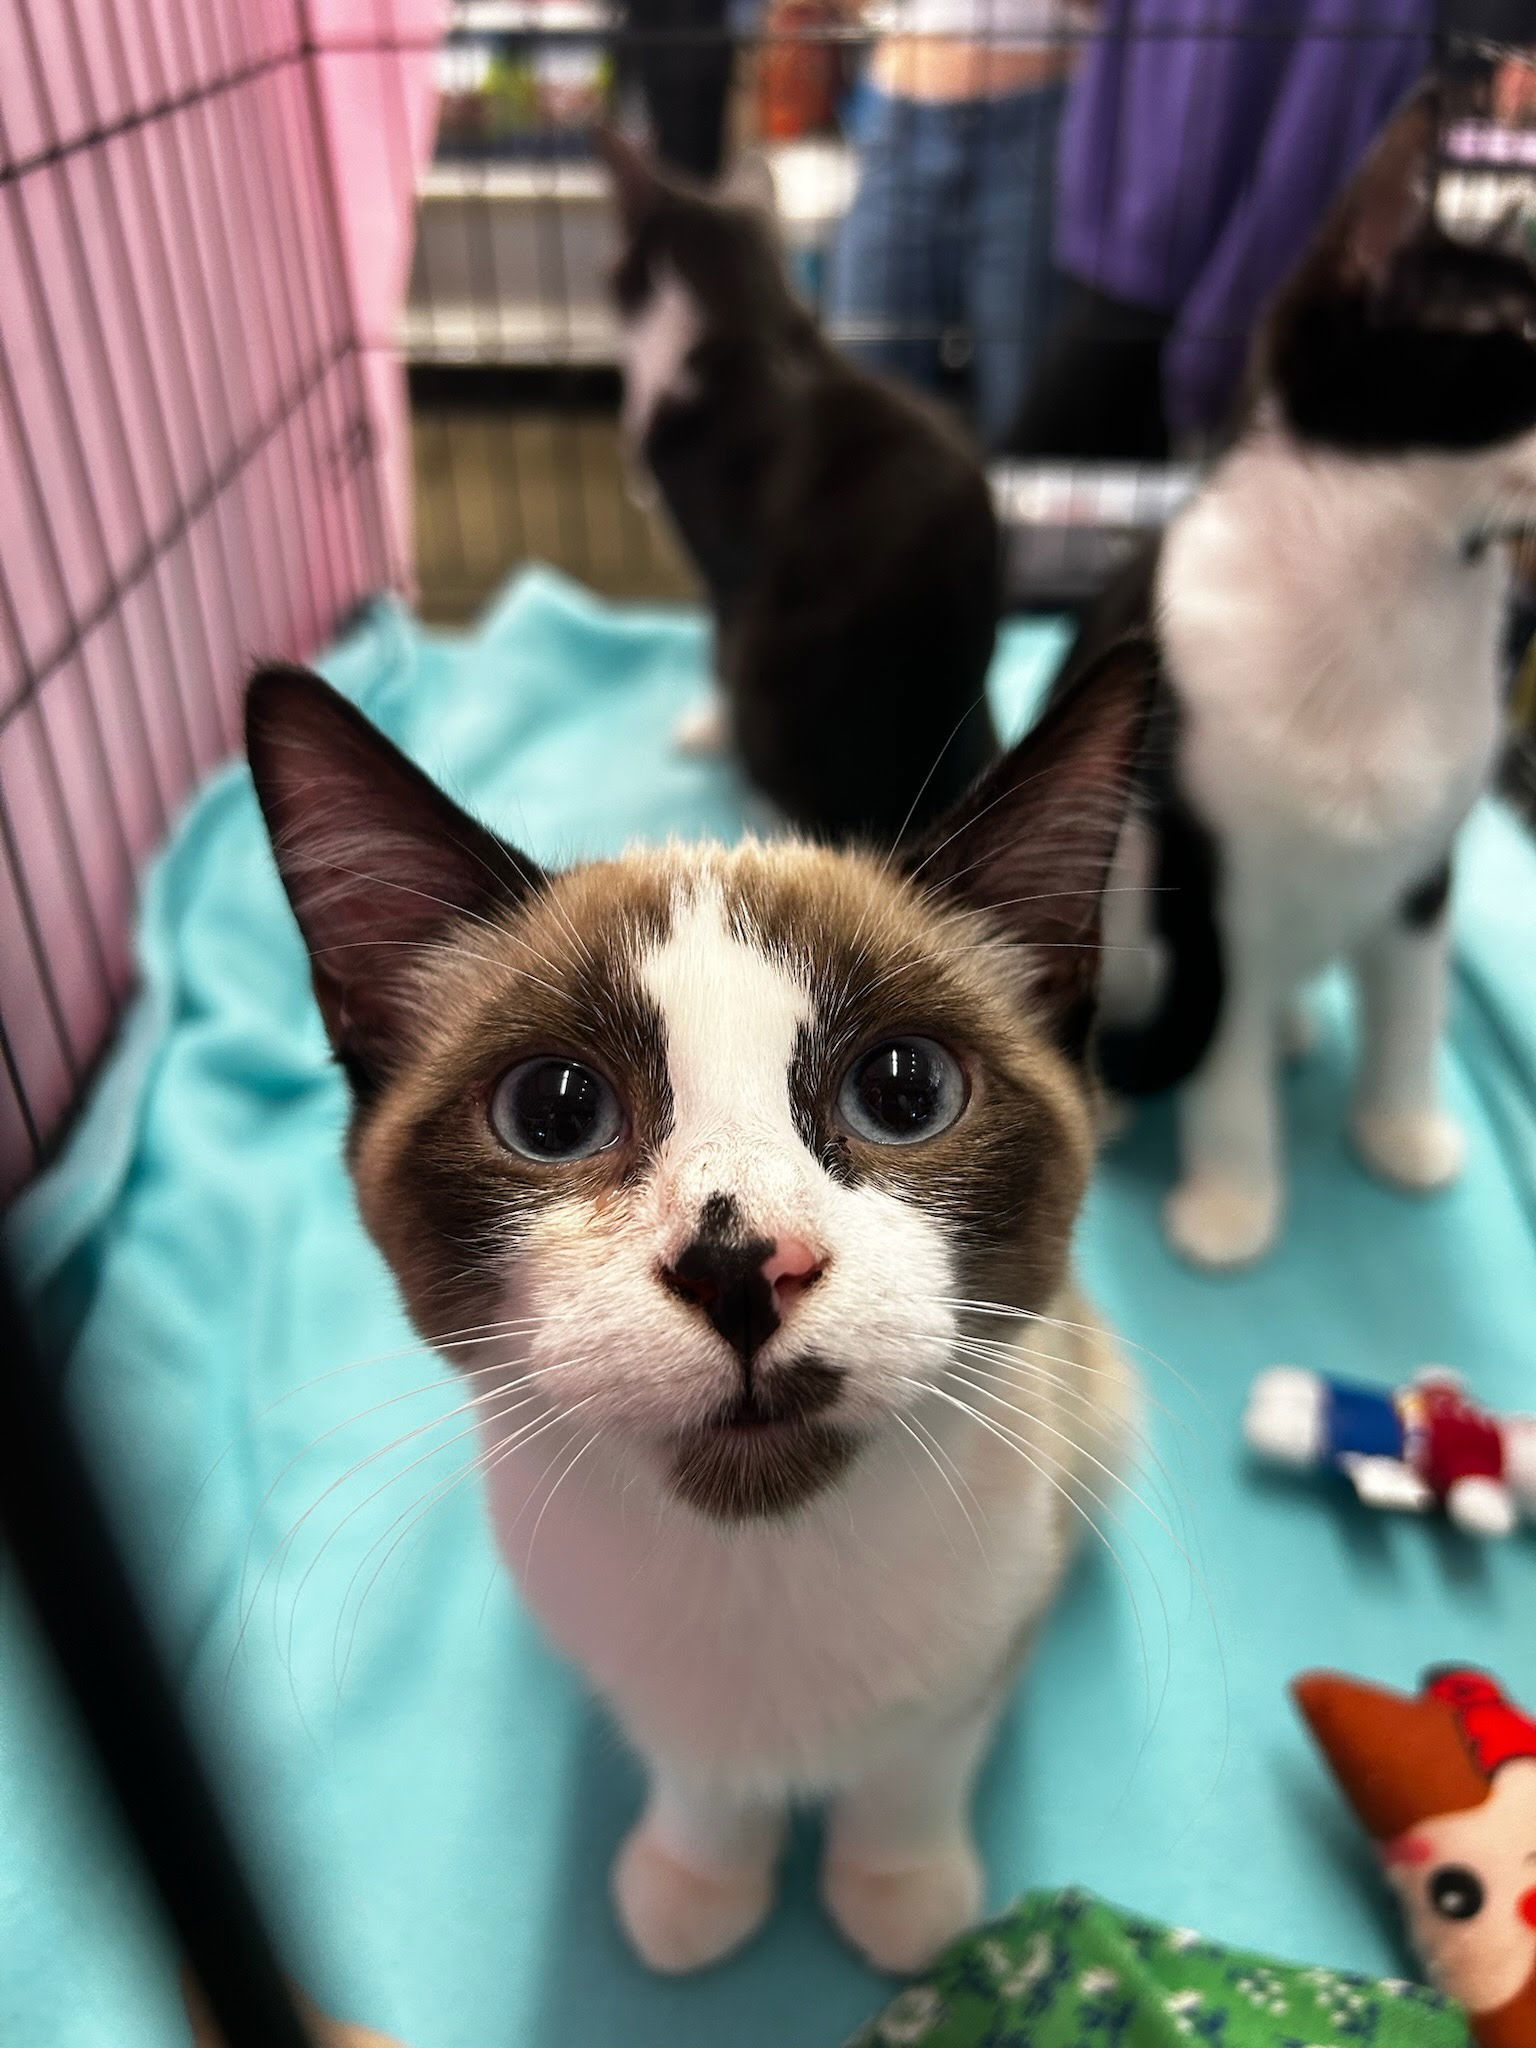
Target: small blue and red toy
[1409,1448]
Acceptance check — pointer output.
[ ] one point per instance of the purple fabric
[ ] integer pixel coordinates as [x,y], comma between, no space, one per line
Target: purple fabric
[1202,141]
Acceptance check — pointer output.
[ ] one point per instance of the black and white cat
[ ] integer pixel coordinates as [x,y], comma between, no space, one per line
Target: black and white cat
[843,528]
[1326,615]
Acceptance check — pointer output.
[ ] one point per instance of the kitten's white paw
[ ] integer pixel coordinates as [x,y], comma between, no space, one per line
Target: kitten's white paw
[1414,1149]
[901,1919]
[702,732]
[679,1919]
[1216,1222]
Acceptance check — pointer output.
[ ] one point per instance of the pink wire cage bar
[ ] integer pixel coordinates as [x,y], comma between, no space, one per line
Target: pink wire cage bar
[205,225]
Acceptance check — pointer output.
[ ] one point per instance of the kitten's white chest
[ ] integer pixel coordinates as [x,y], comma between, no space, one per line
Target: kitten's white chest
[784,1652]
[1335,658]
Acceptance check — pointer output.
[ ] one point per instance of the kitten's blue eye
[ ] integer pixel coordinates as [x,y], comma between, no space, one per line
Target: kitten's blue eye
[901,1093]
[555,1109]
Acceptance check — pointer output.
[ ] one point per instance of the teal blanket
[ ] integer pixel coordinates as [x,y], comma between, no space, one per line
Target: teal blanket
[430,1798]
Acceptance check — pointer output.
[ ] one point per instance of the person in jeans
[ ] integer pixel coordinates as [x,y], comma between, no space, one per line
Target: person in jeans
[949,230]
[1203,141]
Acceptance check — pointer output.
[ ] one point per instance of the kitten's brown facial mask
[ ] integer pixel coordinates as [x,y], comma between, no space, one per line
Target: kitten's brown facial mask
[708,1146]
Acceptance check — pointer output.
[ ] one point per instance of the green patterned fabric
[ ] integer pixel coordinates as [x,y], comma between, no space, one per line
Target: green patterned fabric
[1065,1970]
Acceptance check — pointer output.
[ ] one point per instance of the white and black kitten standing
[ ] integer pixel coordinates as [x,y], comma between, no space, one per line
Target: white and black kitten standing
[747,1178]
[1327,616]
[842,526]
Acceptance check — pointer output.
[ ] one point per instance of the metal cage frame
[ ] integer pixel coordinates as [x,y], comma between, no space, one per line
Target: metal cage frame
[195,457]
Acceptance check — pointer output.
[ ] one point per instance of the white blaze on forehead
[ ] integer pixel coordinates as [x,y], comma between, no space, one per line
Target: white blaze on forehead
[730,1015]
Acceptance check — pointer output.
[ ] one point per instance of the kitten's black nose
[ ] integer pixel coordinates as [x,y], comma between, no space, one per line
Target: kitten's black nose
[743,1286]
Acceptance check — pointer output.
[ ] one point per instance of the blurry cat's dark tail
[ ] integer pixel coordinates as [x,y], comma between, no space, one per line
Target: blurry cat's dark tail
[1164,1048]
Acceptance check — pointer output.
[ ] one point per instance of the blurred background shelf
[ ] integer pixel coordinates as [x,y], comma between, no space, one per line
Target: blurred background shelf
[463,333]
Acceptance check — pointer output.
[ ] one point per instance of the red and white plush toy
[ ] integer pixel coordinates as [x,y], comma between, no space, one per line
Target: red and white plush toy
[1445,1784]
[1411,1448]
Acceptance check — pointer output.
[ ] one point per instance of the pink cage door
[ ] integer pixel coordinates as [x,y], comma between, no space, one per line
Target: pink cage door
[205,224]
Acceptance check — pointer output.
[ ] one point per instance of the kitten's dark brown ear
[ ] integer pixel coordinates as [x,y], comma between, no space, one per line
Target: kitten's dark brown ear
[638,185]
[1391,198]
[1032,842]
[379,865]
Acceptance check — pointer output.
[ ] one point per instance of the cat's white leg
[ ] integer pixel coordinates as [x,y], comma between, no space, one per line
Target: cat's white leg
[695,1877]
[902,1877]
[1400,1128]
[1226,1209]
[704,731]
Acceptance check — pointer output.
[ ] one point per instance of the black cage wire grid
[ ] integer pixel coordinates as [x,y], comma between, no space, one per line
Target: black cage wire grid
[186,434]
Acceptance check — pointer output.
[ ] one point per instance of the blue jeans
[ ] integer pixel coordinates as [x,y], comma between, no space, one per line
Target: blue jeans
[950,230]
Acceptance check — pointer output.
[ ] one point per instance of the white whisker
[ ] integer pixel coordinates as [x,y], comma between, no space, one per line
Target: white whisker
[538,1520]
[526,1433]
[452,1340]
[927,1441]
[1060,1482]
[477,1401]
[904,1422]
[422,1458]
[1012,1363]
[970,711]
[1079,1450]
[1009,1312]
[246,1608]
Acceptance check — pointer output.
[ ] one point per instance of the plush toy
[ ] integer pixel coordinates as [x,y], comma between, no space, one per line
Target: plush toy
[1446,1786]
[1411,1449]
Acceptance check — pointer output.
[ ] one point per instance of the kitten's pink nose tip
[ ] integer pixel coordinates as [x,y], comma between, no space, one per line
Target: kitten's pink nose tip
[790,1268]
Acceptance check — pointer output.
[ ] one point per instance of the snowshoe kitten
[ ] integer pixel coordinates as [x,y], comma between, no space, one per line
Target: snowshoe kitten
[842,527]
[1327,617]
[747,1178]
